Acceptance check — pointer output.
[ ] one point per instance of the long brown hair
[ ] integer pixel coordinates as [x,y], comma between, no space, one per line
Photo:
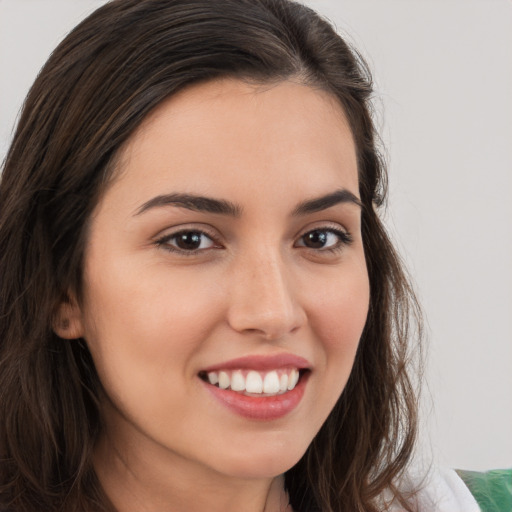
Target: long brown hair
[96,88]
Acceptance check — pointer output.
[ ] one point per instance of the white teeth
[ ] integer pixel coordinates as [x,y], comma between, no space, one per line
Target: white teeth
[224,380]
[271,383]
[283,382]
[213,378]
[293,379]
[237,381]
[254,382]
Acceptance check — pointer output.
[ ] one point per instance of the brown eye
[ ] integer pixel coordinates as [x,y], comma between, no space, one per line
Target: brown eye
[187,241]
[190,240]
[316,239]
[324,239]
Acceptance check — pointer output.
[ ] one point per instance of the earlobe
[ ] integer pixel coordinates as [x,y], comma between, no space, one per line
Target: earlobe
[67,321]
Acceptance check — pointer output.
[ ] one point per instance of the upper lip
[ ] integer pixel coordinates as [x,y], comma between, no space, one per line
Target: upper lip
[262,363]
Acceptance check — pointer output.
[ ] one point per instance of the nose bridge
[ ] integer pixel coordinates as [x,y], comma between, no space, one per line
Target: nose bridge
[263,299]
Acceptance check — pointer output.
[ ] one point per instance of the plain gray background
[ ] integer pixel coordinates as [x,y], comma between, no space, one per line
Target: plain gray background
[443,72]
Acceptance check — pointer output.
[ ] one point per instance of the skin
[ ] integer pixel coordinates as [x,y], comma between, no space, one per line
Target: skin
[154,318]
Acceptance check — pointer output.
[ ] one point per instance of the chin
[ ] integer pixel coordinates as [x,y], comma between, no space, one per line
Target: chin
[261,463]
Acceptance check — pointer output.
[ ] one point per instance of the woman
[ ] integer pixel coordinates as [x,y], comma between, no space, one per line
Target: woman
[200,308]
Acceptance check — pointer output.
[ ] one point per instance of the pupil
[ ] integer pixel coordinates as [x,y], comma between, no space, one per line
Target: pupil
[190,240]
[316,239]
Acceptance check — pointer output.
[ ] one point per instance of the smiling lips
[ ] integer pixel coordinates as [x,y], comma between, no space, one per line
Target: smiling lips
[251,382]
[259,387]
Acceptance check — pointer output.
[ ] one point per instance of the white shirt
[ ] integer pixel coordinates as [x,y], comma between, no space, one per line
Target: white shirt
[441,490]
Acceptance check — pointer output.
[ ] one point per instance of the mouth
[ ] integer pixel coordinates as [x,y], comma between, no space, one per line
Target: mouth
[255,383]
[259,387]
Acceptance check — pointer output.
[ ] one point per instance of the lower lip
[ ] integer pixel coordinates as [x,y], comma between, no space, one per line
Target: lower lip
[263,408]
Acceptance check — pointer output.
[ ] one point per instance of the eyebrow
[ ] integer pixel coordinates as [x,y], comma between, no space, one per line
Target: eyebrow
[223,207]
[322,203]
[194,203]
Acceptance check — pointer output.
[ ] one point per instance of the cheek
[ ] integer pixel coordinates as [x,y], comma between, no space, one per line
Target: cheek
[155,320]
[338,317]
[342,307]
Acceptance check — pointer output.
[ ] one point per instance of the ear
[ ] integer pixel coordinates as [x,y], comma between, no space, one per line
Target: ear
[67,321]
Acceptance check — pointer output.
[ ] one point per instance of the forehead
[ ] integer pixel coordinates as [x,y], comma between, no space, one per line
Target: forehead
[213,137]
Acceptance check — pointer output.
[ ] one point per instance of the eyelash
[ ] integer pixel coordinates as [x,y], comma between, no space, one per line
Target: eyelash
[344,239]
[164,242]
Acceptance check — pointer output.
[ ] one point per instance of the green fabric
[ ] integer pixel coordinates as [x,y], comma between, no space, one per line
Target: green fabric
[492,490]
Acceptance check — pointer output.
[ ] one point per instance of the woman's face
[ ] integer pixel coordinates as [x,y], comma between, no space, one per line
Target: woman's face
[227,254]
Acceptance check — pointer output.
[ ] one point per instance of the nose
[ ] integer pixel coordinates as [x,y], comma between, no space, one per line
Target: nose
[263,300]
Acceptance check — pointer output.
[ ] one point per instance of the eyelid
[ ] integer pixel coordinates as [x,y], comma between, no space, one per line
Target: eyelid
[324,226]
[162,240]
[345,237]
